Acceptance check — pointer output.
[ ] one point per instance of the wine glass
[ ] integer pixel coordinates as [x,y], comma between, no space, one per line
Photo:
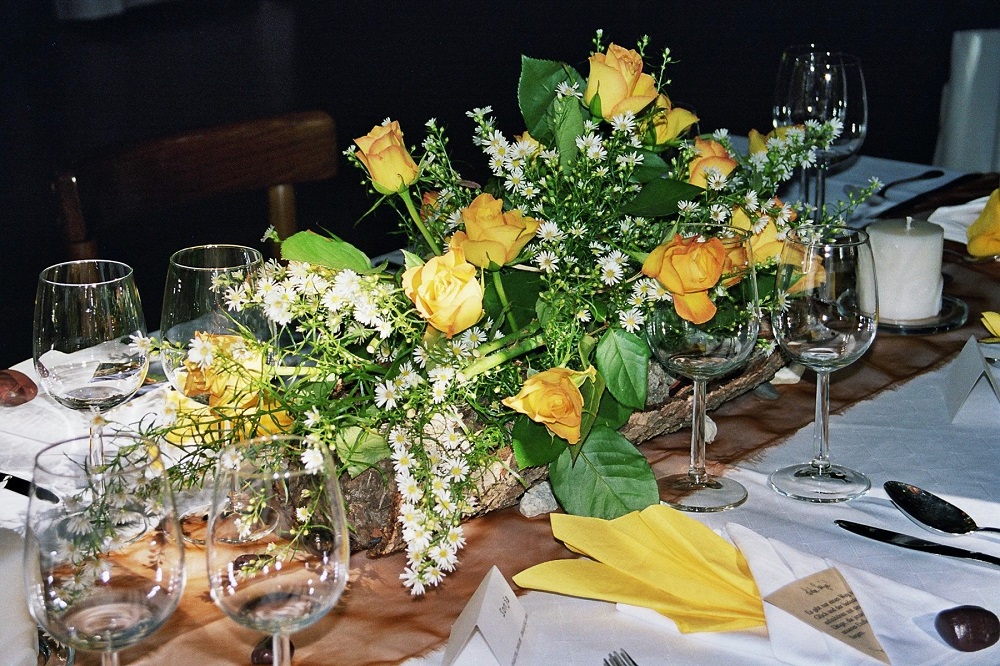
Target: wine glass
[277,576]
[781,110]
[825,318]
[90,346]
[95,578]
[827,86]
[707,350]
[196,312]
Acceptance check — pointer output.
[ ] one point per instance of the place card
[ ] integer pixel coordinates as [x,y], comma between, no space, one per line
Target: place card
[826,602]
[490,628]
[964,374]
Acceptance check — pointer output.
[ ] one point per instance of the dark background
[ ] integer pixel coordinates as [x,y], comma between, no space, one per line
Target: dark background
[67,88]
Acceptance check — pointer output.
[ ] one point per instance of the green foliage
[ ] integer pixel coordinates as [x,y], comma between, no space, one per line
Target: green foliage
[623,359]
[359,449]
[328,251]
[659,197]
[536,94]
[608,479]
[520,291]
[534,445]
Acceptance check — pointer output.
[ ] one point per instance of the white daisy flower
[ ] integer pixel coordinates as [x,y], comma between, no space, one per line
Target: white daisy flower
[386,395]
[313,460]
[547,261]
[631,320]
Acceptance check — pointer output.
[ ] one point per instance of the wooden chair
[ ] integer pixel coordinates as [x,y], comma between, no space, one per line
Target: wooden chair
[271,153]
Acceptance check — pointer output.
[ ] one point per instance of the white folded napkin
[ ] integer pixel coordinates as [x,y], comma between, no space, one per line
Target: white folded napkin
[956,219]
[18,631]
[901,617]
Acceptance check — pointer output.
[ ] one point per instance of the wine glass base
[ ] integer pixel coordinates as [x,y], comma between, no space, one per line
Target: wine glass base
[811,483]
[715,493]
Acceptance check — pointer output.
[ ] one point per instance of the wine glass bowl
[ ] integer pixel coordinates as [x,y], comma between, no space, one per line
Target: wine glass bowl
[825,318]
[713,347]
[97,578]
[277,575]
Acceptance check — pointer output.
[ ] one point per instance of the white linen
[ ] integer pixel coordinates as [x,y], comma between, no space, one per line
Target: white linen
[18,631]
[957,219]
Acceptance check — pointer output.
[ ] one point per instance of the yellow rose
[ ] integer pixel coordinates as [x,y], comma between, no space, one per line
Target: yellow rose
[710,155]
[384,154]
[984,233]
[616,79]
[764,244]
[758,141]
[688,268]
[445,292]
[669,122]
[491,235]
[553,399]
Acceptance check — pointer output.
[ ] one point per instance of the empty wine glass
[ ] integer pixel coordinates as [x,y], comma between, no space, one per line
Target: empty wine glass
[90,346]
[710,348]
[826,87]
[781,110]
[825,318]
[277,576]
[96,579]
[196,313]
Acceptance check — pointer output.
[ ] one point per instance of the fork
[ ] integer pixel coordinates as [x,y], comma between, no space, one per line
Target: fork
[619,658]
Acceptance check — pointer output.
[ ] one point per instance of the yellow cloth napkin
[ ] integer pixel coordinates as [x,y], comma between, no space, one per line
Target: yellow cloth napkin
[657,558]
[984,234]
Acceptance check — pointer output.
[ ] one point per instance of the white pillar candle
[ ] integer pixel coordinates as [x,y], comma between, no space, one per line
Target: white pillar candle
[907,267]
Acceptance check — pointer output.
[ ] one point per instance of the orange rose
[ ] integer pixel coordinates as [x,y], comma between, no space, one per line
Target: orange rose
[553,398]
[384,155]
[445,292]
[491,235]
[710,154]
[617,81]
[688,268]
[670,122]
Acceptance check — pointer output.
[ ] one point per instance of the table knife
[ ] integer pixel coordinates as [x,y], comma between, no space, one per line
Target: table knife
[23,487]
[914,543]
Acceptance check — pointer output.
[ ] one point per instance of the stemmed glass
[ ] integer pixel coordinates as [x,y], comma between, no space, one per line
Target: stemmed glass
[707,350]
[781,110]
[825,319]
[277,576]
[823,86]
[96,579]
[90,347]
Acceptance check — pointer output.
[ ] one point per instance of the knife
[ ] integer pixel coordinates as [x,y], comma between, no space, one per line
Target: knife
[23,487]
[914,543]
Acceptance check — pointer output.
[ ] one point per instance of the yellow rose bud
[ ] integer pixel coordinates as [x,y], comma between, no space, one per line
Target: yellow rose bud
[984,233]
[616,78]
[446,292]
[710,155]
[688,268]
[491,235]
[384,155]
[553,399]
[670,122]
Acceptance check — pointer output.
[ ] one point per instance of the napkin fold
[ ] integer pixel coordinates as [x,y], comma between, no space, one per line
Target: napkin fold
[984,234]
[956,220]
[657,558]
[18,632]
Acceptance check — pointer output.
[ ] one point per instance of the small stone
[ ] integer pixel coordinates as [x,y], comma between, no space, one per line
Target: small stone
[538,500]
[968,628]
[16,388]
[262,652]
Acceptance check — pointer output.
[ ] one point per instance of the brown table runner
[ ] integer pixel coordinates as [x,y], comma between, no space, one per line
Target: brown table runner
[378,622]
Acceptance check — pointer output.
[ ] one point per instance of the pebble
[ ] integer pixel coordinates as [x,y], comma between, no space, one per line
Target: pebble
[968,628]
[538,500]
[16,388]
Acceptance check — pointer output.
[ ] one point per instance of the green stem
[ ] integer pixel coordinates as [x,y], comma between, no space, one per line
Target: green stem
[498,285]
[489,347]
[415,216]
[493,360]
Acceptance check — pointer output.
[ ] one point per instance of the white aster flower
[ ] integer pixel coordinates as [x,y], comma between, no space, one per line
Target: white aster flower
[550,231]
[547,261]
[386,395]
[302,514]
[565,89]
[410,489]
[313,460]
[414,580]
[624,122]
[631,320]
[201,351]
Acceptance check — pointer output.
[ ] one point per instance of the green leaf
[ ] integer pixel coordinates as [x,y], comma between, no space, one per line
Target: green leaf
[653,166]
[609,478]
[623,359]
[360,449]
[587,345]
[612,413]
[591,390]
[567,122]
[659,197]
[534,445]
[536,91]
[521,289]
[411,260]
[330,251]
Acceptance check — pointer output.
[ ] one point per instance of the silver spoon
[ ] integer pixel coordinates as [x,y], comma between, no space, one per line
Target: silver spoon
[930,511]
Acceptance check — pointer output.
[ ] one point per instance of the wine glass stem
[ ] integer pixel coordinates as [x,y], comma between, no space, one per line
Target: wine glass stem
[821,432]
[109,659]
[96,442]
[697,470]
[281,649]
[819,195]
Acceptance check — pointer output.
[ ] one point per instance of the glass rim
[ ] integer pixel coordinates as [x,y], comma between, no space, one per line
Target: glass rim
[47,277]
[839,235]
[177,258]
[153,454]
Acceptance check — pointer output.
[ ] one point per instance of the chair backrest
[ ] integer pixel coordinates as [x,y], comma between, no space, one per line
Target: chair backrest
[969,136]
[269,154]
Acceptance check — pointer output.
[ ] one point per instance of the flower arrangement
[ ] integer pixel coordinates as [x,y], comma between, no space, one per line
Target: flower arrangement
[517,320]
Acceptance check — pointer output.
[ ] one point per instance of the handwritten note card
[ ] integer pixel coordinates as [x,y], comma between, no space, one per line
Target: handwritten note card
[826,602]
[491,627]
